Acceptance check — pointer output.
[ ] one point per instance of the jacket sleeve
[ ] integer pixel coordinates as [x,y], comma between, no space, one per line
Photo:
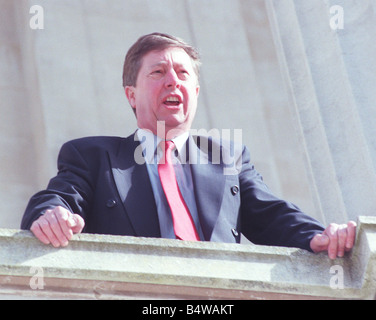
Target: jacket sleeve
[71,188]
[268,220]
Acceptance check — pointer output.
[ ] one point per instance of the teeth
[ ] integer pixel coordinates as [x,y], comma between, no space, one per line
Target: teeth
[172,99]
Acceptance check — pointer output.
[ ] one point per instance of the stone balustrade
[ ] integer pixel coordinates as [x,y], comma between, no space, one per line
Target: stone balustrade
[115,267]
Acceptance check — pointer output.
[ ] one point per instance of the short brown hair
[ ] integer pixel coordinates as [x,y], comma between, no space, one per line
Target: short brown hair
[151,42]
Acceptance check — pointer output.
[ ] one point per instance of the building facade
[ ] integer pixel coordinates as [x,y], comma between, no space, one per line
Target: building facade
[295,76]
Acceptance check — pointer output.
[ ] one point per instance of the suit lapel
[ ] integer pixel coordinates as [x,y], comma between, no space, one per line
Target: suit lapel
[208,181]
[134,187]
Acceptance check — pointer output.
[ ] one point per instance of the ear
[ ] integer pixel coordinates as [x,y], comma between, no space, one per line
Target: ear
[130,92]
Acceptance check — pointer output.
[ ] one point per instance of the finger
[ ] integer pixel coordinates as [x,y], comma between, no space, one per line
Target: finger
[45,227]
[62,216]
[342,236]
[38,233]
[56,229]
[76,222]
[331,232]
[319,243]
[71,222]
[351,234]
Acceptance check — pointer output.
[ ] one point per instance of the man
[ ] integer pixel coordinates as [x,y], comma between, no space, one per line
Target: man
[146,185]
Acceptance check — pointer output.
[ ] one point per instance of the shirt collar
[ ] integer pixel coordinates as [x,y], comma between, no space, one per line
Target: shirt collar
[150,144]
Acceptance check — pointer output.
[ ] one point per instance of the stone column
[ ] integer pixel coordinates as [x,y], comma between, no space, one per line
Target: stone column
[330,76]
[23,155]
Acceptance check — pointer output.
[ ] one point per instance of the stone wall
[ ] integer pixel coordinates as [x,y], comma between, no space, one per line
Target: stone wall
[113,267]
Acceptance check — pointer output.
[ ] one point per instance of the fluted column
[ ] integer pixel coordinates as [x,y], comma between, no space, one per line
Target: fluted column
[329,76]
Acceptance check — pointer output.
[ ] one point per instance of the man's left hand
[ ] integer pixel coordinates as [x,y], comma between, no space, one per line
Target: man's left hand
[336,239]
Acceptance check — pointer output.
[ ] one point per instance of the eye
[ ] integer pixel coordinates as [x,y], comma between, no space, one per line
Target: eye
[156,73]
[183,74]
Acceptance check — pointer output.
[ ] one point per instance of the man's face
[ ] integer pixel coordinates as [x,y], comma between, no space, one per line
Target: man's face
[166,90]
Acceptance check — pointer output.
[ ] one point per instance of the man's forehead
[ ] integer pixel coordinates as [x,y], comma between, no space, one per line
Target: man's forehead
[171,54]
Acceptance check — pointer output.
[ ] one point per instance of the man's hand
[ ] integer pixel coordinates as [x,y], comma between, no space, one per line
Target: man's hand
[57,226]
[336,239]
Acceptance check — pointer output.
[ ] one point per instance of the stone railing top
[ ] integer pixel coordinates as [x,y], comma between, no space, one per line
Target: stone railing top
[103,266]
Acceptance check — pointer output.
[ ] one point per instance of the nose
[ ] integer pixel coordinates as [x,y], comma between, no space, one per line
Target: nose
[172,80]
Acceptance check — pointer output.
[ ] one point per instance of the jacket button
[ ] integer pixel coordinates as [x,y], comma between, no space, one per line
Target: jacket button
[235,232]
[111,203]
[234,190]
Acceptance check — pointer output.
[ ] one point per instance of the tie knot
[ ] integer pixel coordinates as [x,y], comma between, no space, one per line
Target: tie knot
[169,145]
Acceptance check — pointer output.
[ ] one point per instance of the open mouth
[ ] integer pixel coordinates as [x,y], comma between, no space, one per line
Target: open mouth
[172,101]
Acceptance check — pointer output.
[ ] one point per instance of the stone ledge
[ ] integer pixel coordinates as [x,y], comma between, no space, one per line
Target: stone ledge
[103,266]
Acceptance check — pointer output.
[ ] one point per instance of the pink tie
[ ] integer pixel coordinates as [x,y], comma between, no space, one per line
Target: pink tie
[183,223]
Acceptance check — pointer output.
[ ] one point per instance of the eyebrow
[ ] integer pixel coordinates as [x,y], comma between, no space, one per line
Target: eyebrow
[158,64]
[163,63]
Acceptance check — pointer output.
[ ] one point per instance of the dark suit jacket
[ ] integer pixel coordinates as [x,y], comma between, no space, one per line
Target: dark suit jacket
[99,179]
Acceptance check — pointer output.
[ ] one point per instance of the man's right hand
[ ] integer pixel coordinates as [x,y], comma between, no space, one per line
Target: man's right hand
[57,226]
